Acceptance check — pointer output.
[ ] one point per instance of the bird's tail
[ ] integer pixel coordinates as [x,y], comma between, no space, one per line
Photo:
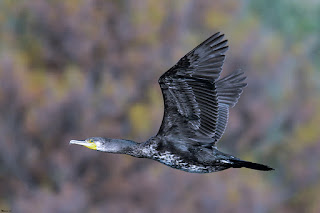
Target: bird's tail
[250,165]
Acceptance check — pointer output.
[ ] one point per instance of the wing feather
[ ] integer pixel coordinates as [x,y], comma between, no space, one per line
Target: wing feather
[197,103]
[229,90]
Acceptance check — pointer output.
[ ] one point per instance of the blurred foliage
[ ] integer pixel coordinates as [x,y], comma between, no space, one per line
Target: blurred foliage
[294,19]
[76,69]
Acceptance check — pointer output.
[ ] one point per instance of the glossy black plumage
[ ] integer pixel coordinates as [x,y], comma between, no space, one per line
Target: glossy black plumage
[196,109]
[193,96]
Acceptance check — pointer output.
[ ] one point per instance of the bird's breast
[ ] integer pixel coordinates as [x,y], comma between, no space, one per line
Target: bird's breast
[178,162]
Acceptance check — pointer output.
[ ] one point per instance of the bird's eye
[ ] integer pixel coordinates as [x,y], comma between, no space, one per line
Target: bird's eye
[91,140]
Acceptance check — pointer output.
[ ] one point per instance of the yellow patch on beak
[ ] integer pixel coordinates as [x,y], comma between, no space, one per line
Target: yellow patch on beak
[87,143]
[91,145]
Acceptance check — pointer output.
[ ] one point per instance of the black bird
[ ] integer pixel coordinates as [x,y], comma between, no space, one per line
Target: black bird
[196,108]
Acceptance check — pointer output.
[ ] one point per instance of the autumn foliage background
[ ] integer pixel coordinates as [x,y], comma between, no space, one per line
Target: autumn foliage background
[76,69]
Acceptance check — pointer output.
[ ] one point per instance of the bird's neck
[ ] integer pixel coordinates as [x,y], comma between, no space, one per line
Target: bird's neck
[120,146]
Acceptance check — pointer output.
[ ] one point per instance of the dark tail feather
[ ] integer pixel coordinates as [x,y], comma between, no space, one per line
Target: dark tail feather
[250,165]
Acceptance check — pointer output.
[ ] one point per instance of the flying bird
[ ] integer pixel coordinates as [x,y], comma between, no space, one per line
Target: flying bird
[196,109]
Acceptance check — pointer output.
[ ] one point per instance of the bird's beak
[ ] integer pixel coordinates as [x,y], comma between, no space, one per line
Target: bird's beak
[90,145]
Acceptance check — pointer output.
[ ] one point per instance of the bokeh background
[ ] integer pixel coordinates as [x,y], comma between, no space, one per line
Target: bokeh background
[76,69]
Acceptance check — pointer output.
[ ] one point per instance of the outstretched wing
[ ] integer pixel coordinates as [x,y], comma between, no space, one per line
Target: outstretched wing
[228,90]
[190,95]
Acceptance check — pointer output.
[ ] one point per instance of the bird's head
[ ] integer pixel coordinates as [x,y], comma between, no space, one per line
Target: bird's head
[95,143]
[107,145]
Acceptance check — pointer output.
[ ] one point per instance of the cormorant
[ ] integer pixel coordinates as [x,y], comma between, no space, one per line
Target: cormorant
[196,108]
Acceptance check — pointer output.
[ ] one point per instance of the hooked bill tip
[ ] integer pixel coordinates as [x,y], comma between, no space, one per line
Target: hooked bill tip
[72,142]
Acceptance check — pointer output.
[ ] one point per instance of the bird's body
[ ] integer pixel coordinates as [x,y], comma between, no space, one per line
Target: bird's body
[195,159]
[196,108]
